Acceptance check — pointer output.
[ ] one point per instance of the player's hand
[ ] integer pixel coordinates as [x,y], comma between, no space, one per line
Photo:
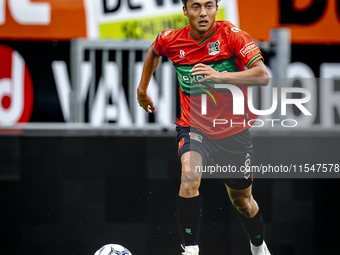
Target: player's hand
[209,73]
[145,102]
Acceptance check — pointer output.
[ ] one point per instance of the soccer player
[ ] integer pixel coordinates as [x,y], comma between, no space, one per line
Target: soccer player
[204,53]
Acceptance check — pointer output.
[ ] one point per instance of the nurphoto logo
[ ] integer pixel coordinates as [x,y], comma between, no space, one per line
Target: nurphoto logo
[239,102]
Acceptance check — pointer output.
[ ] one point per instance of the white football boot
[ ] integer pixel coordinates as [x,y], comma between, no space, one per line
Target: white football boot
[190,250]
[259,250]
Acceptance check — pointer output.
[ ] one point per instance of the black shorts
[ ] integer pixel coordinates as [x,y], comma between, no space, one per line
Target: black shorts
[233,152]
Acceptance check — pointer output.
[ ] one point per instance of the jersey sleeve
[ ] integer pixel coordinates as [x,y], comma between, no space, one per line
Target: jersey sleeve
[161,42]
[244,47]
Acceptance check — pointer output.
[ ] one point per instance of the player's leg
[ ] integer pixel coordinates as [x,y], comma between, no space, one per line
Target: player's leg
[189,201]
[243,201]
[251,216]
[238,151]
[191,178]
[193,154]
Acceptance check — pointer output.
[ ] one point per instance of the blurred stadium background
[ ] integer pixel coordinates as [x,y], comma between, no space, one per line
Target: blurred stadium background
[82,166]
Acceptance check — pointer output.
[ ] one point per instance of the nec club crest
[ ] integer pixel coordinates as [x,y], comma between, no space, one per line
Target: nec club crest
[214,48]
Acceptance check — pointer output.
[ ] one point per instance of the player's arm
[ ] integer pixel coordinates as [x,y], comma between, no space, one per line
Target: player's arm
[150,63]
[257,75]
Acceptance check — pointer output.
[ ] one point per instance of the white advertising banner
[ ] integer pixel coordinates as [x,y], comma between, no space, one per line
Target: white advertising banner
[142,19]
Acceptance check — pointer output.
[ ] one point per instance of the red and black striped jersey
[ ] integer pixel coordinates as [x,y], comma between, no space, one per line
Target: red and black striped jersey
[226,49]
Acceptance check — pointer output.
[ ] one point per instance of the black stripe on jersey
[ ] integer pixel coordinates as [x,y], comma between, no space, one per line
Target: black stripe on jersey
[208,63]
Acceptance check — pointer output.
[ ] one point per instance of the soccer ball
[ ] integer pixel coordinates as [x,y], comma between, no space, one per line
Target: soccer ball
[113,249]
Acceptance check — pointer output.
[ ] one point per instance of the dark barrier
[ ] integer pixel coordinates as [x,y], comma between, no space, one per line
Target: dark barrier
[71,195]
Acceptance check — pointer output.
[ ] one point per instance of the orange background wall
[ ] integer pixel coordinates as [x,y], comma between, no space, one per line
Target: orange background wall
[257,17]
[67,21]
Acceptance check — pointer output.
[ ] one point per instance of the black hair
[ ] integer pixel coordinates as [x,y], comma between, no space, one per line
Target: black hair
[185,2]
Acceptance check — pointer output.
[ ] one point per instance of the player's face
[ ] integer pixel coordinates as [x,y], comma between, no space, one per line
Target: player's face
[201,15]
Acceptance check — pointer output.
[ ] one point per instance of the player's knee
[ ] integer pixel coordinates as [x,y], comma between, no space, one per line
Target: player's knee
[190,180]
[243,205]
[190,188]
[189,173]
[189,183]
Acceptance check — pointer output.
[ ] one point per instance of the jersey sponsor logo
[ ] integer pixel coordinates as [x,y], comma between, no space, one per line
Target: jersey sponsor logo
[16,90]
[190,79]
[249,47]
[196,137]
[182,54]
[214,48]
[236,29]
